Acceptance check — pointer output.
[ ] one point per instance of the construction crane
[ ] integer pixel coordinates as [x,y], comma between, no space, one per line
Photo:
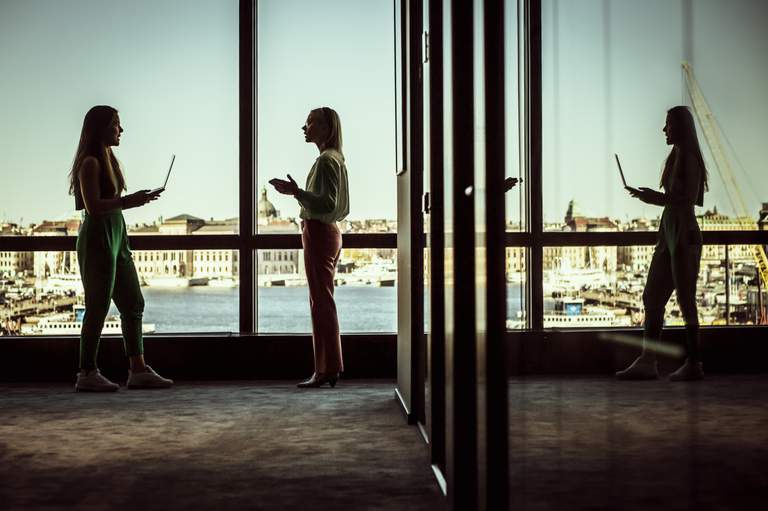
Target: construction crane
[711,132]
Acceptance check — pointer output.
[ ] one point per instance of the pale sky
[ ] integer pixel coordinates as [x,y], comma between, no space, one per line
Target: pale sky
[171,68]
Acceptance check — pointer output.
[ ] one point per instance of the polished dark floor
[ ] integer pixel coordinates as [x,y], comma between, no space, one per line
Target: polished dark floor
[213,446]
[597,443]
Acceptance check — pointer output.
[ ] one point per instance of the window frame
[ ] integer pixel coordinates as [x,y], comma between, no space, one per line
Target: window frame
[534,237]
[247,241]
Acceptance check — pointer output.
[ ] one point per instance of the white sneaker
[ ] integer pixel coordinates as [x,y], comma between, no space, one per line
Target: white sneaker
[689,371]
[641,369]
[148,379]
[94,381]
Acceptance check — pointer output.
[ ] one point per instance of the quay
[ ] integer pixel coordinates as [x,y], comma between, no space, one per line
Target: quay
[30,307]
[616,300]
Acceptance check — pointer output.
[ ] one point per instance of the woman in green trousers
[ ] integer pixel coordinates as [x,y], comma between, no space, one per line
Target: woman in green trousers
[676,258]
[106,264]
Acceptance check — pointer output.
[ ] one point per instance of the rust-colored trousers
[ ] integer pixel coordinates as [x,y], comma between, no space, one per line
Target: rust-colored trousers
[322,246]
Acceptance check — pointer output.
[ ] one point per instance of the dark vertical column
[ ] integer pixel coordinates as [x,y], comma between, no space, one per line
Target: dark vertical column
[532,38]
[247,162]
[461,402]
[404,341]
[416,184]
[437,239]
[494,424]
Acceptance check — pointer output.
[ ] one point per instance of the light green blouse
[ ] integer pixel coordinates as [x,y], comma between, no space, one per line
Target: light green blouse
[326,194]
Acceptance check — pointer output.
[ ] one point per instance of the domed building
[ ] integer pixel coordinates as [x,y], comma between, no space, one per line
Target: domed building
[276,262]
[267,211]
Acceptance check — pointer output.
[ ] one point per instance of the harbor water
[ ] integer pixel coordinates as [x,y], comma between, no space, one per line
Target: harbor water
[280,309]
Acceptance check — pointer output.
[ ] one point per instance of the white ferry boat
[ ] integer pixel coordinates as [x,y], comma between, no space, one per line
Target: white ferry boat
[62,282]
[282,280]
[226,282]
[174,282]
[70,323]
[379,272]
[574,279]
[570,312]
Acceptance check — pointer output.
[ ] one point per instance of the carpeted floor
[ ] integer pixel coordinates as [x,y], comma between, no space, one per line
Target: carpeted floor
[602,444]
[575,443]
[211,446]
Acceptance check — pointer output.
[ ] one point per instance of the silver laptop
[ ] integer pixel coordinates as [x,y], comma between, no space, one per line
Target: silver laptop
[165,183]
[621,172]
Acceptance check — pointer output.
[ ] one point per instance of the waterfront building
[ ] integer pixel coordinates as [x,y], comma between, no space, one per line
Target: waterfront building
[580,257]
[47,263]
[12,263]
[277,261]
[166,264]
[715,221]
[219,264]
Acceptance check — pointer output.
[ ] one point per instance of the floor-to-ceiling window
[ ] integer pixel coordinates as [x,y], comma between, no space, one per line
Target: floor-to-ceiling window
[175,72]
[170,68]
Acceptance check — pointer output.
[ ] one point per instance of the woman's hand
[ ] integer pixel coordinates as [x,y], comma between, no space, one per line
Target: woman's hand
[136,199]
[285,187]
[643,193]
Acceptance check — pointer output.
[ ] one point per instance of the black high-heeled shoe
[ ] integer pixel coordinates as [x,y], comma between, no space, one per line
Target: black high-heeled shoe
[318,380]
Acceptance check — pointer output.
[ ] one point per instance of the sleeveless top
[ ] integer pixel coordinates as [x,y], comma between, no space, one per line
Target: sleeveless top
[684,189]
[106,187]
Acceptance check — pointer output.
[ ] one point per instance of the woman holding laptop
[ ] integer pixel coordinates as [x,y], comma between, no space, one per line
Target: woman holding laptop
[106,265]
[324,202]
[676,258]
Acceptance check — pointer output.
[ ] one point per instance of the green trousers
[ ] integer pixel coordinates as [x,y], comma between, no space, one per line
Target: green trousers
[108,273]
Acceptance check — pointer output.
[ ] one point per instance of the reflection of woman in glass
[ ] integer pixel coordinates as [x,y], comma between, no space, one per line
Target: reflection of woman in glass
[324,202]
[675,263]
[106,265]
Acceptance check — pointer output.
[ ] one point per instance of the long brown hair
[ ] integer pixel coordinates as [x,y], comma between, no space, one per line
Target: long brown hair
[92,137]
[333,121]
[686,145]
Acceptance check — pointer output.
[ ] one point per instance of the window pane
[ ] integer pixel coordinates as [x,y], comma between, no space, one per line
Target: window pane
[584,287]
[514,106]
[41,293]
[335,54]
[516,260]
[603,286]
[607,85]
[170,68]
[365,292]
[744,300]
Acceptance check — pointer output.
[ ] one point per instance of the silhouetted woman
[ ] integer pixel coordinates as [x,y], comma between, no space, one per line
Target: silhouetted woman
[106,265]
[324,202]
[676,258]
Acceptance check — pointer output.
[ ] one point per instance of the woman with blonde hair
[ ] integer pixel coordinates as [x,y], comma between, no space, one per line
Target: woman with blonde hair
[324,201]
[676,258]
[106,264]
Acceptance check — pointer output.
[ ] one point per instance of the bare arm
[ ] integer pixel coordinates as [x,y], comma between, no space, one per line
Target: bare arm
[647,195]
[683,191]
